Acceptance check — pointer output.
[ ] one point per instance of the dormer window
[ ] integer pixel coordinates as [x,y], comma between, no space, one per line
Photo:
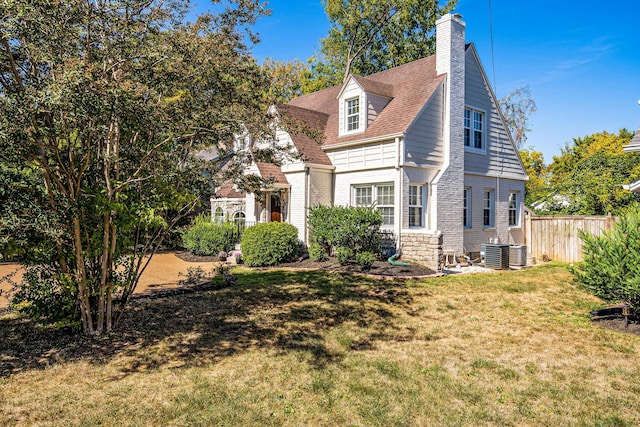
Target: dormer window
[353,114]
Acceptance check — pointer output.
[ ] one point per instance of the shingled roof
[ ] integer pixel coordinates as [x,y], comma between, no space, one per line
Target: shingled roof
[271,171]
[309,149]
[410,86]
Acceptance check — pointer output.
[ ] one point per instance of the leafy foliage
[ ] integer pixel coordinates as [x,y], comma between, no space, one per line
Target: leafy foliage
[368,36]
[538,184]
[365,260]
[611,266]
[317,253]
[344,255]
[590,173]
[103,106]
[269,243]
[204,237]
[353,227]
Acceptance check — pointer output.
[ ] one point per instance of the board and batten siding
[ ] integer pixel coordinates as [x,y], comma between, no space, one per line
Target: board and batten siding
[500,156]
[370,156]
[423,142]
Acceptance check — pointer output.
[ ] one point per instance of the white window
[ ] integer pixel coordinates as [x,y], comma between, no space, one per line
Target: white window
[416,218]
[219,215]
[353,114]
[514,217]
[466,208]
[379,195]
[473,129]
[488,208]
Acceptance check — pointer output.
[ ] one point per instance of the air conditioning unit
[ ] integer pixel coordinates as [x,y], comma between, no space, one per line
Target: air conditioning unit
[517,255]
[496,256]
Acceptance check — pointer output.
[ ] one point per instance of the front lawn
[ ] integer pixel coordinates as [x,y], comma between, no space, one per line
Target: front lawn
[318,348]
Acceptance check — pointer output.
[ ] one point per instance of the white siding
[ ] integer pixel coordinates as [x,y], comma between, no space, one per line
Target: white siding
[423,142]
[297,202]
[422,177]
[371,156]
[477,234]
[375,104]
[353,90]
[501,156]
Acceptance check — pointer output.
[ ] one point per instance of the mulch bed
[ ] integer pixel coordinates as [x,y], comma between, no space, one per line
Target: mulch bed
[379,268]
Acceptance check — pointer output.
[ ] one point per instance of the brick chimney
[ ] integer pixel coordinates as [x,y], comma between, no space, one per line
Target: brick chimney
[449,185]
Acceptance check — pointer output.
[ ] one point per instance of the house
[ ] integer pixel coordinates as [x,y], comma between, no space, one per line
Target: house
[425,143]
[633,147]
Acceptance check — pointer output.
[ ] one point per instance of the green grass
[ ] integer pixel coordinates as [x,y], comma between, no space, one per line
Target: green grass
[317,348]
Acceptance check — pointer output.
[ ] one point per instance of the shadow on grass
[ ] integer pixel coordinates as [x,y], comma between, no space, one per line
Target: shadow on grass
[276,310]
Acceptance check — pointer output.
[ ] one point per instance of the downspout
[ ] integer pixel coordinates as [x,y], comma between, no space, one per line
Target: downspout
[307,201]
[399,163]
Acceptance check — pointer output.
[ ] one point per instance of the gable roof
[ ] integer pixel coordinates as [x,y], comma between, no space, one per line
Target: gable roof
[372,86]
[411,86]
[228,191]
[271,171]
[309,149]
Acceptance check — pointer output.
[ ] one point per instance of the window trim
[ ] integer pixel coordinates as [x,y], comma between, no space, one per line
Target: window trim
[491,208]
[348,114]
[420,195]
[515,209]
[218,215]
[470,130]
[466,209]
[375,200]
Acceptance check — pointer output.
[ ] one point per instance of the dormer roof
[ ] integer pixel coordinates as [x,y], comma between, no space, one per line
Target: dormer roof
[410,85]
[369,86]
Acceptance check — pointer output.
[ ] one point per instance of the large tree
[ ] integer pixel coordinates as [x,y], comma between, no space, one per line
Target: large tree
[589,174]
[367,36]
[102,105]
[517,108]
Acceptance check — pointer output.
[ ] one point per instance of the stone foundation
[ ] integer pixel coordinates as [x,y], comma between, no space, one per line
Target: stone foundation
[422,247]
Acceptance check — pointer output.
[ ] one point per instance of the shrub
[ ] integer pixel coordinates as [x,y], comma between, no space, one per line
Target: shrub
[353,227]
[269,244]
[365,260]
[344,255]
[204,237]
[317,253]
[611,266]
[46,296]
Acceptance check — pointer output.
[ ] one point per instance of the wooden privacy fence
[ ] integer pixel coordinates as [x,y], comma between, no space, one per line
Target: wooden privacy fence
[556,237]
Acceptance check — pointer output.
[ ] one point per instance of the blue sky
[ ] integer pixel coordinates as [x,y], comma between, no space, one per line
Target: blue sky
[581,59]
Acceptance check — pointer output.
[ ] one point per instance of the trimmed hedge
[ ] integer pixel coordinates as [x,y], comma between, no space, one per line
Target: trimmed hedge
[357,228]
[269,244]
[204,237]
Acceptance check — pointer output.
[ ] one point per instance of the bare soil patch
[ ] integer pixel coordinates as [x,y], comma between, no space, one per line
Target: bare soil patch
[379,268]
[168,270]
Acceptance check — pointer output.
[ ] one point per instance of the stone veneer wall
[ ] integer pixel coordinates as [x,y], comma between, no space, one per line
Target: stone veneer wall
[425,248]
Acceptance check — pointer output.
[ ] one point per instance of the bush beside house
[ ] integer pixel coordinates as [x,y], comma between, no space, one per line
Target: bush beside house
[269,244]
[336,228]
[206,238]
